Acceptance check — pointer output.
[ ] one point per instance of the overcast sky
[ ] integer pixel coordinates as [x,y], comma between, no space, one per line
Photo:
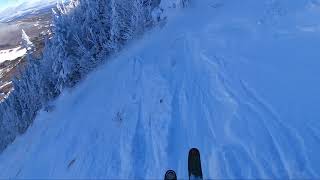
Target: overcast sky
[6,3]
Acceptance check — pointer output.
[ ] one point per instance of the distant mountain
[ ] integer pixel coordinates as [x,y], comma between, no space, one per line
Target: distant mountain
[25,8]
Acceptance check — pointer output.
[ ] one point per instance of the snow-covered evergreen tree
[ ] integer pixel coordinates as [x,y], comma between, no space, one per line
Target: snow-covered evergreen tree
[85,33]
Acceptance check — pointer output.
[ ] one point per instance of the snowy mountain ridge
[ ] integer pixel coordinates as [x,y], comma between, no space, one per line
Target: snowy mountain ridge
[238,80]
[25,8]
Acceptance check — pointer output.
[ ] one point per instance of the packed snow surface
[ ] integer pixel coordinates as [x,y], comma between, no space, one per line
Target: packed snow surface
[237,79]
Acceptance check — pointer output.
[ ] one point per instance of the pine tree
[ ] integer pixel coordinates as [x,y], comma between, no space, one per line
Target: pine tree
[85,33]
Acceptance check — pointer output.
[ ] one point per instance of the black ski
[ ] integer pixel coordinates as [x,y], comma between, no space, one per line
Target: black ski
[170,175]
[194,164]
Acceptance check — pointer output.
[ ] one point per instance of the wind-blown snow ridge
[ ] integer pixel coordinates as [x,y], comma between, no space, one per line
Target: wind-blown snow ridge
[240,86]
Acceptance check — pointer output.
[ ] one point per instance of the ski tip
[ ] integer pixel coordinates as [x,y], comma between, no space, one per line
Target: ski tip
[194,163]
[194,151]
[170,175]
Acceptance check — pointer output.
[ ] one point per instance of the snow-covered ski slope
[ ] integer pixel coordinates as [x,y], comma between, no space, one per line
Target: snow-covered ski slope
[237,79]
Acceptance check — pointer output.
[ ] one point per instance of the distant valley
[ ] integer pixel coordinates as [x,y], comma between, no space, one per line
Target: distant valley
[37,24]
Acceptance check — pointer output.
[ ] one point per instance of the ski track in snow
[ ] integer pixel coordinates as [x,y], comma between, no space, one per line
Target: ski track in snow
[178,88]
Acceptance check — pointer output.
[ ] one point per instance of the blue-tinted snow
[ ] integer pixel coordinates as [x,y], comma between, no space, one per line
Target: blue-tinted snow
[237,79]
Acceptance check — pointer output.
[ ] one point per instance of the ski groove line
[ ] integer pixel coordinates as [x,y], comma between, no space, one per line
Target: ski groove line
[284,132]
